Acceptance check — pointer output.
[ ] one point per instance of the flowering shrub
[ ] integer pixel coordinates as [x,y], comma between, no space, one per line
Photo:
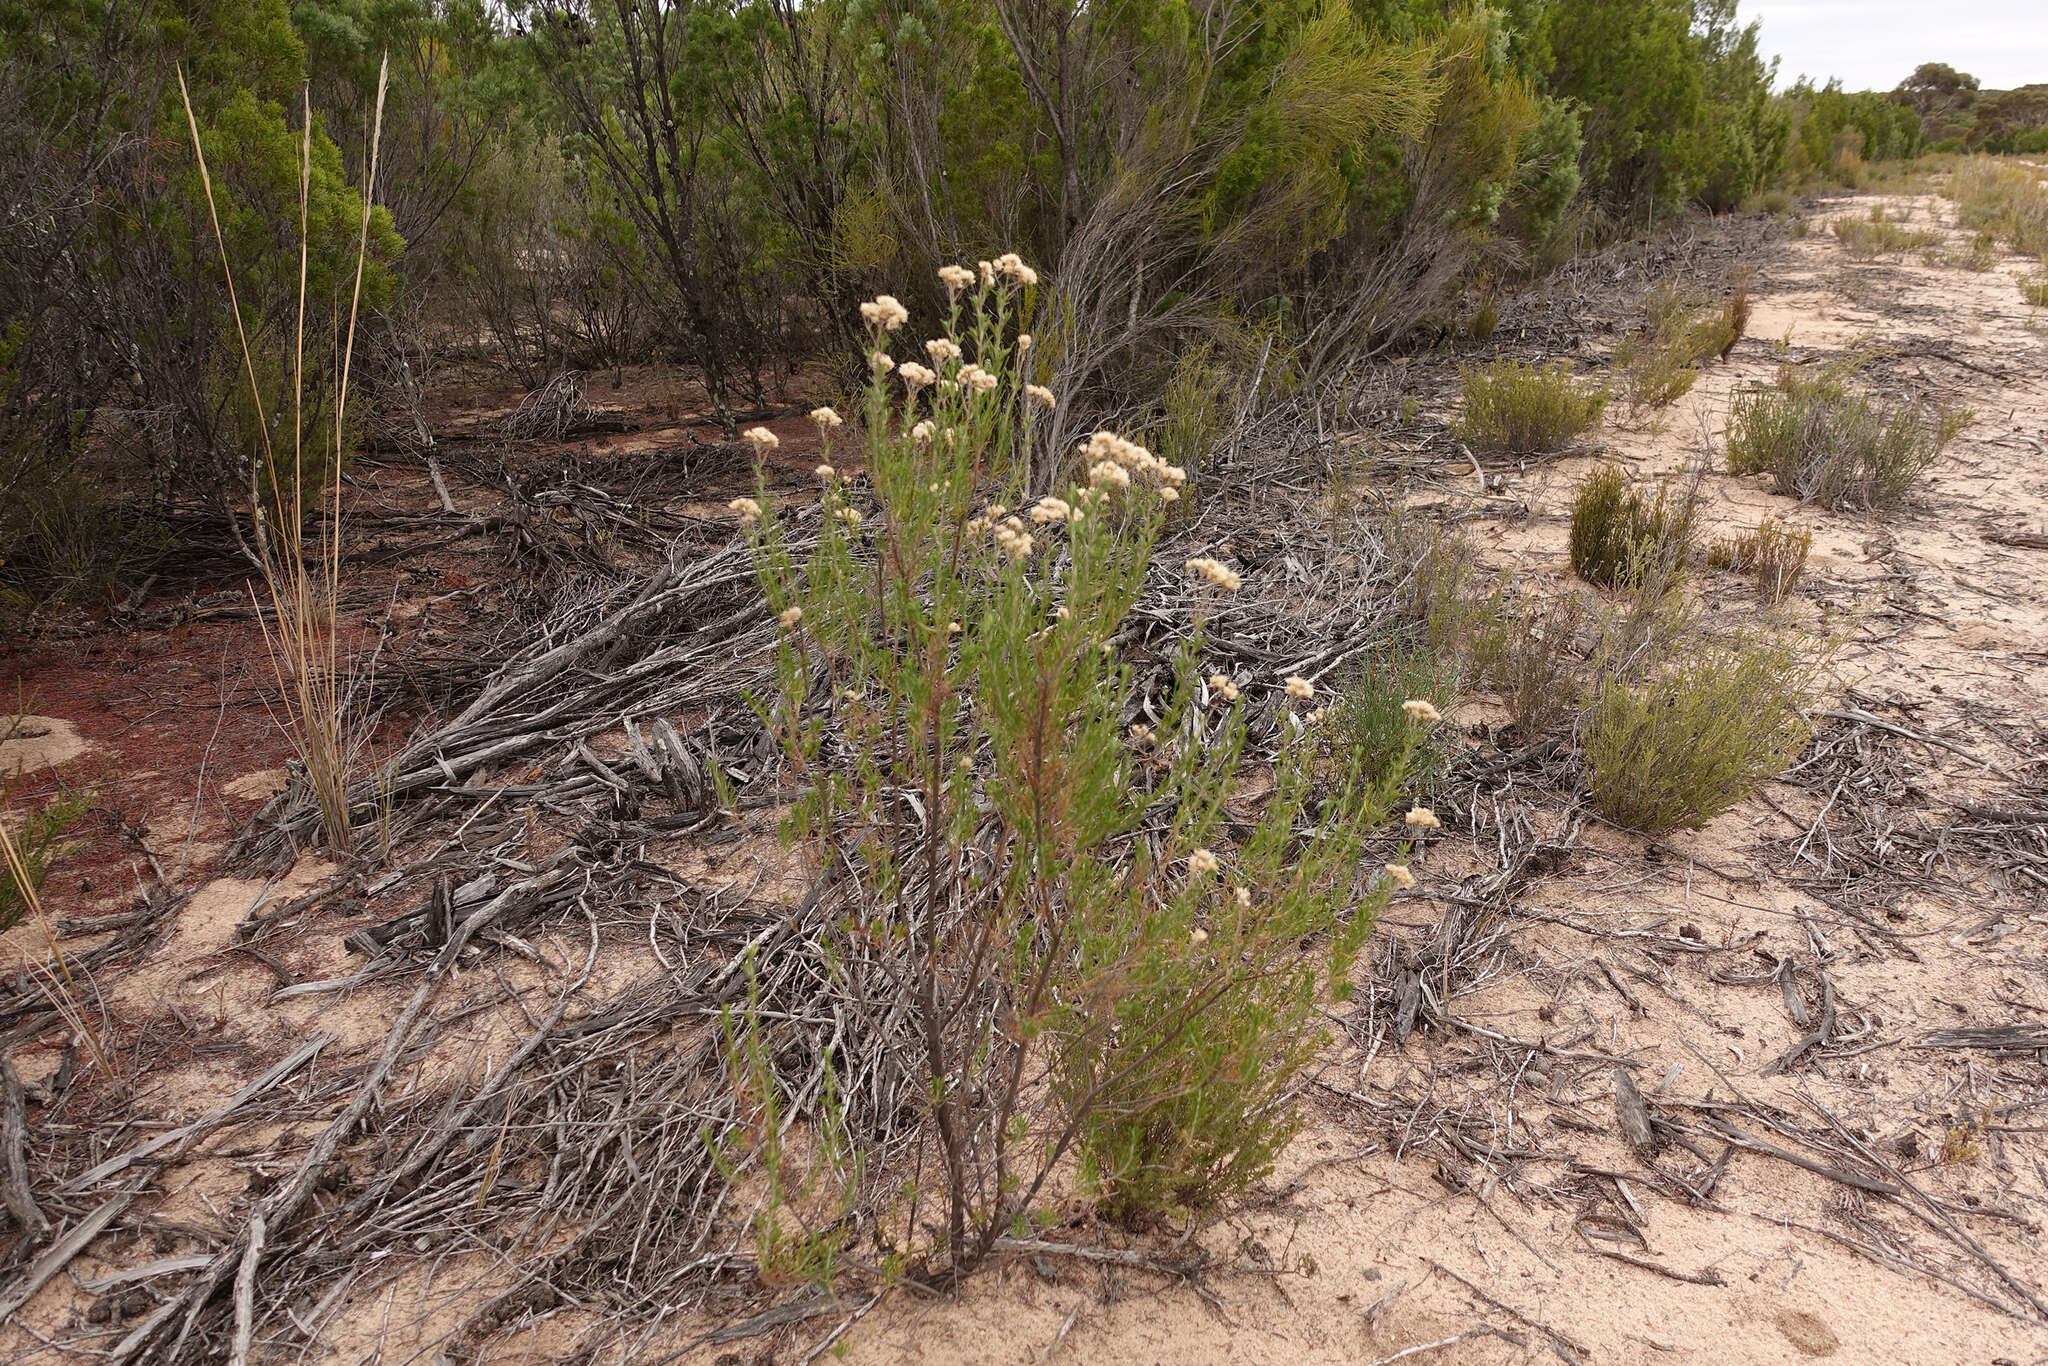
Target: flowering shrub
[1100,978]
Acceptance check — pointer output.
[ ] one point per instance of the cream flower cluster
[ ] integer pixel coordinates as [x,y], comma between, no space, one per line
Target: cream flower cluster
[1421,709]
[915,375]
[942,349]
[747,508]
[1054,510]
[1221,685]
[827,418]
[976,378]
[761,439]
[1300,688]
[1423,819]
[1112,460]
[885,311]
[1216,572]
[1202,863]
[1398,874]
[955,278]
[1008,266]
[1040,395]
[1013,539]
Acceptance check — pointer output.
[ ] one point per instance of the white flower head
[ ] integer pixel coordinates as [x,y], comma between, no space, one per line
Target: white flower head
[789,617]
[1040,395]
[747,508]
[976,378]
[922,432]
[1244,896]
[1398,874]
[1024,341]
[827,473]
[915,375]
[1051,509]
[1221,685]
[879,362]
[1421,709]
[826,418]
[942,349]
[1423,818]
[1300,688]
[955,279]
[885,312]
[1202,863]
[761,439]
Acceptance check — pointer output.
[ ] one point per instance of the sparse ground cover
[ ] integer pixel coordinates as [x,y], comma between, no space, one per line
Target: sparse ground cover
[1760,1091]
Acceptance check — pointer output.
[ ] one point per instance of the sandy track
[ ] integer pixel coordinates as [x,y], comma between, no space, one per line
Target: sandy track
[1375,1257]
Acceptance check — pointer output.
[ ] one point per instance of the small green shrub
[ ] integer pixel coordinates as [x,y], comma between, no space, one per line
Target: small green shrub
[1822,441]
[1774,555]
[1777,202]
[1371,730]
[2034,289]
[1519,408]
[1622,537]
[41,837]
[1868,239]
[1706,725]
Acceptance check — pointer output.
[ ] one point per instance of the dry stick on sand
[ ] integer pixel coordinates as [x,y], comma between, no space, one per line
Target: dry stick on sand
[273,1215]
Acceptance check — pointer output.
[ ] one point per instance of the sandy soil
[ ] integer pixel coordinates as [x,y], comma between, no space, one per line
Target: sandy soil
[1454,1198]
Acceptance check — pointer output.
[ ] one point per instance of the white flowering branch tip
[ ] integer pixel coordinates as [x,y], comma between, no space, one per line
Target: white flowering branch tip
[915,375]
[886,312]
[1024,341]
[880,362]
[1423,818]
[1040,395]
[827,473]
[1421,709]
[1051,510]
[942,349]
[1198,936]
[789,617]
[747,508]
[1221,685]
[1216,573]
[955,279]
[1398,874]
[827,418]
[1244,897]
[976,378]
[1299,688]
[761,439]
[1202,863]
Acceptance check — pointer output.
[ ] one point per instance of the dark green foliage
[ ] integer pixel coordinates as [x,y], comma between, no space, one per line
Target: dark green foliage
[1623,537]
[111,286]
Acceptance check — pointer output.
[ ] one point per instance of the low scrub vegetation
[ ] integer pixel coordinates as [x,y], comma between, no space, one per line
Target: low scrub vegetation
[1774,555]
[2006,199]
[1517,407]
[1625,537]
[1822,440]
[1866,239]
[2034,289]
[1372,728]
[1703,726]
[1659,362]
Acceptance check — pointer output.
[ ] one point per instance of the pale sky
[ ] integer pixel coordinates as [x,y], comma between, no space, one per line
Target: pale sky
[1875,44]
